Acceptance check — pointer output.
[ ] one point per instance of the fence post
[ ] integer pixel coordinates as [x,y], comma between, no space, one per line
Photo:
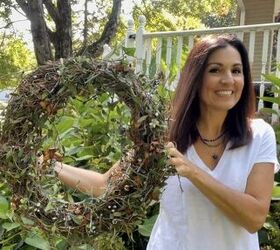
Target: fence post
[140,44]
[130,35]
[275,106]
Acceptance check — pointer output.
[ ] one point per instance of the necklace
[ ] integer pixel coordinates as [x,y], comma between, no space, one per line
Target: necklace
[215,153]
[211,140]
[215,146]
[208,143]
[214,150]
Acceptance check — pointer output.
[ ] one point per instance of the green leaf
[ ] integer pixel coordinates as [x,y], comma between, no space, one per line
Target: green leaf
[84,123]
[49,207]
[65,123]
[66,133]
[271,99]
[272,78]
[37,241]
[84,247]
[146,228]
[85,157]
[10,247]
[27,221]
[142,118]
[61,244]
[270,111]
[4,207]
[77,219]
[129,51]
[10,226]
[276,192]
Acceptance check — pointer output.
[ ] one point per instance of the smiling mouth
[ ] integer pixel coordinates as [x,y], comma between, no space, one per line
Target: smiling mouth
[224,92]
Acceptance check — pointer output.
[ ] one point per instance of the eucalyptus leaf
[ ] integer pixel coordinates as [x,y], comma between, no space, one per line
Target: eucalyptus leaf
[37,241]
[146,228]
[27,221]
[10,226]
[4,207]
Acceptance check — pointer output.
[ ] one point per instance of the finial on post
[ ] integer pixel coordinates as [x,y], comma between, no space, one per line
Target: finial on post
[140,44]
[142,21]
[130,35]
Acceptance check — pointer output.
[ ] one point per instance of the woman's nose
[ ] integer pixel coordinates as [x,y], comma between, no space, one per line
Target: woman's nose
[227,78]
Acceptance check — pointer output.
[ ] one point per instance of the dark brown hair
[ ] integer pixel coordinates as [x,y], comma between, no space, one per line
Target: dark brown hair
[185,109]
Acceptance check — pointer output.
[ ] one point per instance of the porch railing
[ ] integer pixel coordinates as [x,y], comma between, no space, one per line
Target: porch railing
[154,49]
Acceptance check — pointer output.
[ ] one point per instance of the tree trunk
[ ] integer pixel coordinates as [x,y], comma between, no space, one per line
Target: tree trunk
[61,38]
[34,12]
[85,30]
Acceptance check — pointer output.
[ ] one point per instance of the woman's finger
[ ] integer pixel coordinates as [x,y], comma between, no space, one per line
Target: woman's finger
[173,152]
[170,145]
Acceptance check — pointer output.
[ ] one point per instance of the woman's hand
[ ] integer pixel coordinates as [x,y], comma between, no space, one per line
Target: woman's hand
[183,166]
[48,158]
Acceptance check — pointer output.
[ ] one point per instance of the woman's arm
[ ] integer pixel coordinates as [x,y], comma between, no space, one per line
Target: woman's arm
[248,209]
[86,181]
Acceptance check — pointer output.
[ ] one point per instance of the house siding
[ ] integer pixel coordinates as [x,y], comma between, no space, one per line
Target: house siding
[258,12]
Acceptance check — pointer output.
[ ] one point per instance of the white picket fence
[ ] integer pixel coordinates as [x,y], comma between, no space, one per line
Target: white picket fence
[149,45]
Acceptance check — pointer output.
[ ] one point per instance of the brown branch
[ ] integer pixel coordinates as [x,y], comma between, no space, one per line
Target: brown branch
[85,30]
[11,23]
[95,49]
[52,11]
[24,6]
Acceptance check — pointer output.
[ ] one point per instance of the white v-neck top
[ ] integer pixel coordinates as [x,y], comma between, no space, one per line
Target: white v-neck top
[189,221]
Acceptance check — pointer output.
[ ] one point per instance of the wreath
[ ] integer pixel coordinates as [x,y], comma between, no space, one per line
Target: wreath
[143,170]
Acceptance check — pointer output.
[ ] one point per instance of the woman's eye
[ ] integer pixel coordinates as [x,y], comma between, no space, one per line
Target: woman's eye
[214,70]
[236,71]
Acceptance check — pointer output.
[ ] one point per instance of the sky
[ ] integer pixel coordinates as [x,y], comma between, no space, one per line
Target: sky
[22,26]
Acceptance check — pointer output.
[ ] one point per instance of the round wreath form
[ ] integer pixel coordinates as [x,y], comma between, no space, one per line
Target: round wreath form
[130,192]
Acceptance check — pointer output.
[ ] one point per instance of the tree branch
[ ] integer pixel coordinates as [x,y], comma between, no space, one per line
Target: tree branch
[95,49]
[85,30]
[52,10]
[11,23]
[24,6]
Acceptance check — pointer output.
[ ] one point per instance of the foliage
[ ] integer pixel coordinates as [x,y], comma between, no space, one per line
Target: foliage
[90,131]
[38,201]
[165,15]
[97,17]
[5,9]
[221,20]
[270,234]
[15,59]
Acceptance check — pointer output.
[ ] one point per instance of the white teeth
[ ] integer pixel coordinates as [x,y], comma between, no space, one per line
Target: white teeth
[224,92]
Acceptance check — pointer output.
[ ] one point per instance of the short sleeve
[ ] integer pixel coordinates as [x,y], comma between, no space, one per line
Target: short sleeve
[268,148]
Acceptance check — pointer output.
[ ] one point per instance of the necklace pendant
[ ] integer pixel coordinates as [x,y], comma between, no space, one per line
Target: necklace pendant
[215,157]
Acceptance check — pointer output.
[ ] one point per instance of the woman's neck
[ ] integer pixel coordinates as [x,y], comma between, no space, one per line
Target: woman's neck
[211,126]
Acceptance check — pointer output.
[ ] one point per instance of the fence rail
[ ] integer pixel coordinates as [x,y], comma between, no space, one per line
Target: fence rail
[154,49]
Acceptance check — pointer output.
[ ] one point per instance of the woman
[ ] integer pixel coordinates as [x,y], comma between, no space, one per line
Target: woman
[224,157]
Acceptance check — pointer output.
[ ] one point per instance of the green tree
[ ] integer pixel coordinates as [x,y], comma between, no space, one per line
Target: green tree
[15,60]
[51,24]
[174,15]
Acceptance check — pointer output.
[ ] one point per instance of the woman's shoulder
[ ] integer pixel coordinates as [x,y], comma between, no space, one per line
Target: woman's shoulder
[262,131]
[260,126]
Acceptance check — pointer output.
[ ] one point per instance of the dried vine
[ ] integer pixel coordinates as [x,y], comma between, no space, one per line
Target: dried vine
[143,171]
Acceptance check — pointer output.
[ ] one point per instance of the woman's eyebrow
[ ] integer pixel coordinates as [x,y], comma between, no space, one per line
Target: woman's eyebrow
[221,64]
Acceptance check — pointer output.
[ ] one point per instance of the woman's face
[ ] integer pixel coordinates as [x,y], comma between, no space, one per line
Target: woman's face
[223,80]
